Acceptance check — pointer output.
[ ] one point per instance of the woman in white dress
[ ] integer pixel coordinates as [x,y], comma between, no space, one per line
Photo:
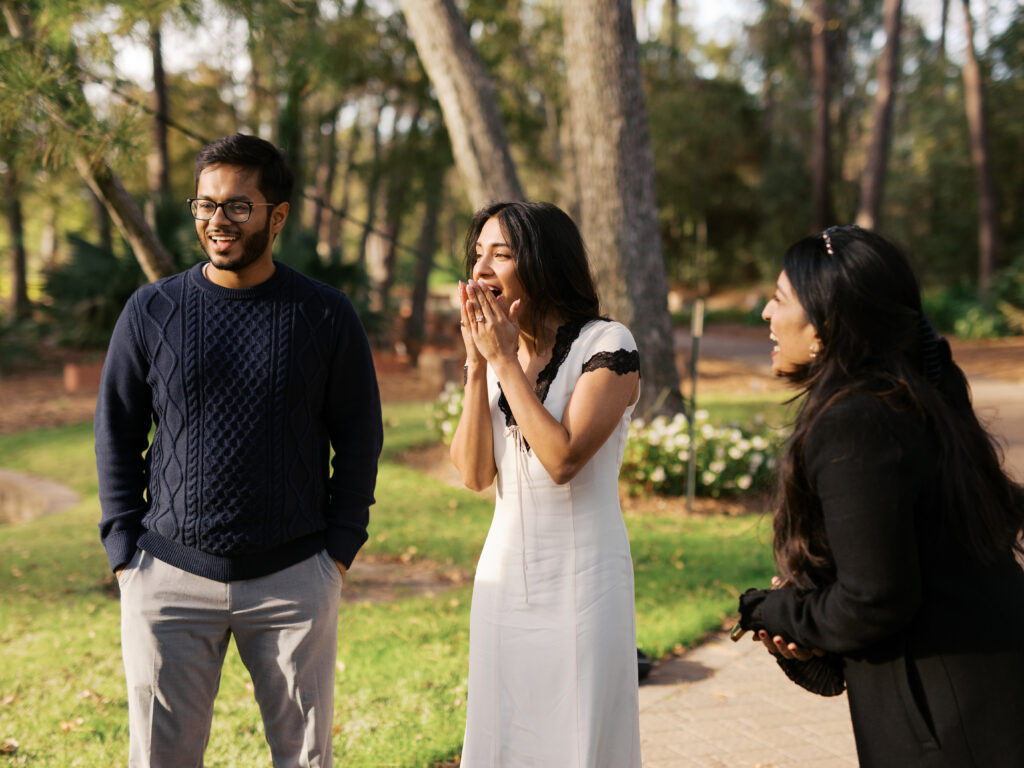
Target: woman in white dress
[550,387]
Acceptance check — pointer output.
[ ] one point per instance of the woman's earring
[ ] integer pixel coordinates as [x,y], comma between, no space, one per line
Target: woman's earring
[814,351]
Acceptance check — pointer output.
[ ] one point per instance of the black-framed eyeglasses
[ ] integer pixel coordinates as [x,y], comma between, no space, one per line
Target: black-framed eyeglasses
[237,211]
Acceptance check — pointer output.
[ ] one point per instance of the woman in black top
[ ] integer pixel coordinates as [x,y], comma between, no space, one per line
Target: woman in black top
[896,526]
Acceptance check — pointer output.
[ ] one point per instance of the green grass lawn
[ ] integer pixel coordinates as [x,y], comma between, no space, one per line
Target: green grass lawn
[401,684]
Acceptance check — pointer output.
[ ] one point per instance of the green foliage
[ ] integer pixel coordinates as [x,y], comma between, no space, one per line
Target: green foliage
[706,173]
[18,340]
[730,459]
[957,310]
[401,679]
[88,293]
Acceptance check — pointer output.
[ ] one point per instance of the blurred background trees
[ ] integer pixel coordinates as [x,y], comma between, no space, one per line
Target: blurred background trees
[810,113]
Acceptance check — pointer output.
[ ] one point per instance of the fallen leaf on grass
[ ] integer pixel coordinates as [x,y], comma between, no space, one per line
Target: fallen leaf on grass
[9,747]
[70,725]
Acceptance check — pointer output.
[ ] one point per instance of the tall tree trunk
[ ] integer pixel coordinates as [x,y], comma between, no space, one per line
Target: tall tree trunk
[821,156]
[102,220]
[433,196]
[291,137]
[327,171]
[48,245]
[19,305]
[372,191]
[154,259]
[468,100]
[942,32]
[670,28]
[872,182]
[988,214]
[615,162]
[399,180]
[336,238]
[159,157]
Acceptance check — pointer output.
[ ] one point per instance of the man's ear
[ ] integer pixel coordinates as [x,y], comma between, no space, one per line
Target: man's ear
[278,216]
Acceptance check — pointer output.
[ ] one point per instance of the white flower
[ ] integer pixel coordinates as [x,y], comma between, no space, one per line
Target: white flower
[683,455]
[707,431]
[735,453]
[744,482]
[446,427]
[717,466]
[708,478]
[759,442]
[658,475]
[701,415]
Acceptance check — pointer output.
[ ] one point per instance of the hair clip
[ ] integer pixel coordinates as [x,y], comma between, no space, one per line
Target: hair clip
[828,243]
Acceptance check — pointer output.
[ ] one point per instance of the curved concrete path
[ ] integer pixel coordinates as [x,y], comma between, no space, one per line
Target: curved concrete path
[728,705]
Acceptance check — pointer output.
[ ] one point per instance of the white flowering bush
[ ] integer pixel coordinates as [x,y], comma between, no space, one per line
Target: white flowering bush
[444,415]
[731,459]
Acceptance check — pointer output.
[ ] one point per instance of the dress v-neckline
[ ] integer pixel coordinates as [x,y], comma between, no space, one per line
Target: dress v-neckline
[566,334]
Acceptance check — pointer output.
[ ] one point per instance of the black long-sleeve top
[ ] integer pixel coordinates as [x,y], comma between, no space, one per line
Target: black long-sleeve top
[248,391]
[932,640]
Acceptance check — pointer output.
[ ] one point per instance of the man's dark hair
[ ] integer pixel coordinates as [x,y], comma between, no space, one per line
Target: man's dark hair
[275,180]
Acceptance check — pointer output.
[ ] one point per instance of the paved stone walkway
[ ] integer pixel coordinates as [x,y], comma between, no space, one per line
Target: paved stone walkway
[728,705]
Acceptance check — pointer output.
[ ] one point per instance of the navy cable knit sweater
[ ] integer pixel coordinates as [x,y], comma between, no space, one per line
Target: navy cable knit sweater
[248,391]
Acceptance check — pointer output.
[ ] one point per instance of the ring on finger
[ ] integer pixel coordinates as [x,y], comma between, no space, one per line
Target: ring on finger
[479,318]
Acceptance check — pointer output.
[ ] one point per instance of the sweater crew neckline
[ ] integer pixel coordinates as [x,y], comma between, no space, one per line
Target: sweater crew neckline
[268,286]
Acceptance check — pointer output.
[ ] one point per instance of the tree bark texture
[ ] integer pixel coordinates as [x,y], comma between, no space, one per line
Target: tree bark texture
[154,259]
[19,305]
[872,182]
[981,157]
[821,156]
[615,163]
[468,101]
[159,162]
[102,220]
[372,192]
[433,197]
[326,173]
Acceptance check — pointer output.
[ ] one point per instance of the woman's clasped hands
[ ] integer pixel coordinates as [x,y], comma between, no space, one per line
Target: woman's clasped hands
[490,330]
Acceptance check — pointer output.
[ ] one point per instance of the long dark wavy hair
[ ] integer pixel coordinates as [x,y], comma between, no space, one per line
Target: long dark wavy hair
[860,294]
[550,257]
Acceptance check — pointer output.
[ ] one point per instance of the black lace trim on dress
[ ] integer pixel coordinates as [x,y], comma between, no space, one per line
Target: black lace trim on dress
[622,361]
[566,334]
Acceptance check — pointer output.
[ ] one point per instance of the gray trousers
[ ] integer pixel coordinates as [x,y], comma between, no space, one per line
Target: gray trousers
[175,629]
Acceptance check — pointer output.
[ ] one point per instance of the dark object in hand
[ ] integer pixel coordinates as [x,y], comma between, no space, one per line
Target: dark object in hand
[822,675]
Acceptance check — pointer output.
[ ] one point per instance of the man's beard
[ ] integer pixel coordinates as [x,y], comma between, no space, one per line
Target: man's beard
[253,247]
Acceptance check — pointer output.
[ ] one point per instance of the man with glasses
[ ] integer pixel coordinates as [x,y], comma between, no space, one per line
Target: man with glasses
[233,519]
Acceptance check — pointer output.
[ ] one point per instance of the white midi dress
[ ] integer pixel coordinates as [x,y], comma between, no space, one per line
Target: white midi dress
[552,644]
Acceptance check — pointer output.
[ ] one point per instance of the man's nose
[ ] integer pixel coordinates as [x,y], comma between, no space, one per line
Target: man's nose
[220,216]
